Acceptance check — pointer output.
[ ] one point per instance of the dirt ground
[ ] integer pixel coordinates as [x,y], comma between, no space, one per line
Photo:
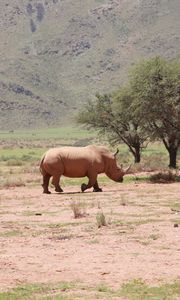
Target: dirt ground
[42,242]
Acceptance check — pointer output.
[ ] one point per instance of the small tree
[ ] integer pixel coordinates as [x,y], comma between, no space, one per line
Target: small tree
[130,127]
[111,115]
[148,107]
[156,88]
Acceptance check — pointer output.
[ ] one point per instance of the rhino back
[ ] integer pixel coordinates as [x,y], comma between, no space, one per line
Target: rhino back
[80,161]
[76,161]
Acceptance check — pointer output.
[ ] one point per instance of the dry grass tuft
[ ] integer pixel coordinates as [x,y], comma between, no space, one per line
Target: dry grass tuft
[78,209]
[101,220]
[13,183]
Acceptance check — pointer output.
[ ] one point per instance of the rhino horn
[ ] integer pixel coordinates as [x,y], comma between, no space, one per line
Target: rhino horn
[127,169]
[116,152]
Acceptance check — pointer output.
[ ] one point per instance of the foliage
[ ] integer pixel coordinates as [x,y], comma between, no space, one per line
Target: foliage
[155,84]
[109,114]
[130,126]
[147,107]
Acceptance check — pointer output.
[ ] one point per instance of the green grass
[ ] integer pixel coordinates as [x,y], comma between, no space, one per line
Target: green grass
[62,133]
[22,150]
[11,233]
[103,288]
[35,142]
[136,289]
[19,155]
[62,225]
[36,292]
[32,151]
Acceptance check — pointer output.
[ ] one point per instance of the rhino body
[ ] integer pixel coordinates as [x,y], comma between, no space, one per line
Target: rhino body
[76,162]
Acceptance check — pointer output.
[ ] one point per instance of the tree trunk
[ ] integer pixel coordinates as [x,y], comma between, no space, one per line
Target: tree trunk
[172,157]
[136,153]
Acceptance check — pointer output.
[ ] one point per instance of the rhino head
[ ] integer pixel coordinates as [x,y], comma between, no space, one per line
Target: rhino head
[114,171]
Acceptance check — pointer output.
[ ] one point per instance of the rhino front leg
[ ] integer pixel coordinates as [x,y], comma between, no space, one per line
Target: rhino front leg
[96,187]
[91,183]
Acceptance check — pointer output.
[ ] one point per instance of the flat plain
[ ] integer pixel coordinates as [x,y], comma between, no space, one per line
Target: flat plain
[122,243]
[43,243]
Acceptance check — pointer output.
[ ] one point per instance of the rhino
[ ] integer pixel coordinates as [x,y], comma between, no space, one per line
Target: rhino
[77,162]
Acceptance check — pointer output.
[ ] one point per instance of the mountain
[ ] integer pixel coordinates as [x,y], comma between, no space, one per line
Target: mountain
[57,54]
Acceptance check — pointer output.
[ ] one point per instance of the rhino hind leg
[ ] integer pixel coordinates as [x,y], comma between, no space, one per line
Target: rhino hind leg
[46,178]
[83,187]
[55,182]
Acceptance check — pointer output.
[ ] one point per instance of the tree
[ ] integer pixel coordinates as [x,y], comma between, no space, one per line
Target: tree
[149,106]
[128,125]
[110,115]
[156,88]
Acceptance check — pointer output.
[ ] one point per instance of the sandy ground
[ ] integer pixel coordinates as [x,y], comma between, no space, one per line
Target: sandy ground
[42,242]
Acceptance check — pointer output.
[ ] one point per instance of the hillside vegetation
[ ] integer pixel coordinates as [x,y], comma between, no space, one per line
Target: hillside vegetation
[56,54]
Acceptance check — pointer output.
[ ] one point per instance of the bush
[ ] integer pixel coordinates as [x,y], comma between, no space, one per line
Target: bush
[165,177]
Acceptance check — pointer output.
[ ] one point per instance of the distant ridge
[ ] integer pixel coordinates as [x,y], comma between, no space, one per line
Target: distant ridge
[56,54]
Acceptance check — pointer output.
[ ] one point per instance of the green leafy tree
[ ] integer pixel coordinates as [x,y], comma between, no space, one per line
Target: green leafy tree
[156,88]
[148,107]
[110,115]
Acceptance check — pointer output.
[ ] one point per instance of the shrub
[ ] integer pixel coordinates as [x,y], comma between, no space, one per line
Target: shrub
[164,177]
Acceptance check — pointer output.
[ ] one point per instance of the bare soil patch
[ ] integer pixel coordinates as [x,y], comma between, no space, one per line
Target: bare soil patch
[41,242]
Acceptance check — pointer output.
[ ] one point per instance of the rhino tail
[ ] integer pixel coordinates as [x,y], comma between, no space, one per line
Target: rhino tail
[41,169]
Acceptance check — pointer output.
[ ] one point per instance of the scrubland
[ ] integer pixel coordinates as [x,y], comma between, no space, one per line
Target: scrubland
[122,243]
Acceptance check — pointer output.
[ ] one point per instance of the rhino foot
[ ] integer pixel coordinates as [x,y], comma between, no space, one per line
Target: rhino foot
[97,190]
[46,192]
[58,190]
[83,187]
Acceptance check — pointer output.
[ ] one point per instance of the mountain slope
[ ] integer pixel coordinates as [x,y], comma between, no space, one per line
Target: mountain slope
[56,54]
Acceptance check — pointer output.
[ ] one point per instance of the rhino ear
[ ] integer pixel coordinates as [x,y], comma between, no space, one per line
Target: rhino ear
[116,152]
